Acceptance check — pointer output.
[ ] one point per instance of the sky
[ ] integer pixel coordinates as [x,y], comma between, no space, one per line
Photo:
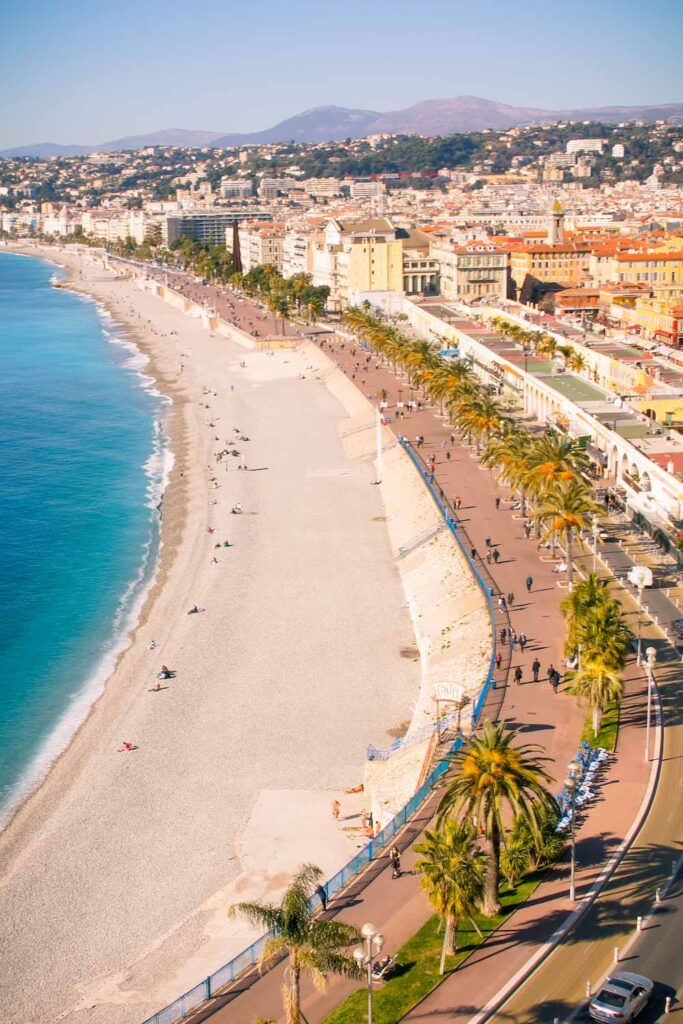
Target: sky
[88,71]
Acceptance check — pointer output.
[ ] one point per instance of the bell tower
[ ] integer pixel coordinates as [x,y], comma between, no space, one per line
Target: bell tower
[556,223]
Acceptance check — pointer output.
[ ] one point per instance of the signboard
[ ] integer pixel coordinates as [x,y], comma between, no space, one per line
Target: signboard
[449,691]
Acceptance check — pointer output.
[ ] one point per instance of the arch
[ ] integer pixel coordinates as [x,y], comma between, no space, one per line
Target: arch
[614,460]
[645,482]
[634,472]
[624,464]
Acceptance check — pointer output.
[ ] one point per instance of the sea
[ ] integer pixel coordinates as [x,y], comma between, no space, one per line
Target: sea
[83,465]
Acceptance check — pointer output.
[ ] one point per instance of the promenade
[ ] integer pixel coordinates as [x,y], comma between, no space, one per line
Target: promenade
[554,721]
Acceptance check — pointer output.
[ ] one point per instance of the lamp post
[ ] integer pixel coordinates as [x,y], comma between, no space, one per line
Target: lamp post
[570,785]
[365,957]
[651,656]
[640,576]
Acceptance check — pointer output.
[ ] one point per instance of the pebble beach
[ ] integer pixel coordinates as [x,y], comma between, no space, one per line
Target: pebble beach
[116,874]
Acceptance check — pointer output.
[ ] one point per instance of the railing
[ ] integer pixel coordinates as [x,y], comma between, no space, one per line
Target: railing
[205,990]
[423,733]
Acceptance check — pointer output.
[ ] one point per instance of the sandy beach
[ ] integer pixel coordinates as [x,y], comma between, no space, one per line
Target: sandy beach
[116,874]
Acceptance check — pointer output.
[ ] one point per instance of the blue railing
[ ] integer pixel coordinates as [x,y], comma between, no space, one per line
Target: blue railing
[423,733]
[204,991]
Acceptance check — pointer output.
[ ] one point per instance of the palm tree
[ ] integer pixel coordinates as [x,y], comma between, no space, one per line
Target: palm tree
[478,415]
[600,685]
[603,634]
[567,508]
[493,775]
[553,458]
[509,450]
[584,596]
[314,945]
[577,361]
[453,872]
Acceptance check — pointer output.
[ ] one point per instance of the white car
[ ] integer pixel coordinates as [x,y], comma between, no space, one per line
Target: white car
[621,998]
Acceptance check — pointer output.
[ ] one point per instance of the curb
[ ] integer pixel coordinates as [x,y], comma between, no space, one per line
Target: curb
[573,919]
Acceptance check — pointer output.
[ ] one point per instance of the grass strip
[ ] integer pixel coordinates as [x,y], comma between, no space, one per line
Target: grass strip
[418,960]
[608,731]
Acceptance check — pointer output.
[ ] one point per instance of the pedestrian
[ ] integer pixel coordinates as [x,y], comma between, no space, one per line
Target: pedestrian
[551,674]
[488,557]
[395,858]
[336,808]
[499,658]
[473,552]
[322,896]
[452,440]
[536,668]
[527,528]
[511,599]
[496,555]
[448,456]
[497,503]
[501,603]
[513,639]
[518,675]
[522,642]
[503,636]
[555,681]
[529,584]
[443,445]
[487,542]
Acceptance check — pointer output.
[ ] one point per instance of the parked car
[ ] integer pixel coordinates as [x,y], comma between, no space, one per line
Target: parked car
[623,996]
[677,628]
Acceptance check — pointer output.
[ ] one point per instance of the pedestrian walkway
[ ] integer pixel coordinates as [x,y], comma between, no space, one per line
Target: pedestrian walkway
[554,721]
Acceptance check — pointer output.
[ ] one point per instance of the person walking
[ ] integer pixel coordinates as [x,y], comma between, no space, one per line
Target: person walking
[529,584]
[513,639]
[496,555]
[497,503]
[511,599]
[499,658]
[322,896]
[518,675]
[501,603]
[395,858]
[522,642]
[336,808]
[473,553]
[555,682]
[487,542]
[536,668]
[503,636]
[527,528]
[489,557]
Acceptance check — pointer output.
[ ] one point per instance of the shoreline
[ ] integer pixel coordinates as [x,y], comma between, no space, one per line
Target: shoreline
[43,763]
[243,832]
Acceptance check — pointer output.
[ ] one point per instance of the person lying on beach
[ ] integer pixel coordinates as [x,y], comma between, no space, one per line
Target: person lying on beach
[194,610]
[126,746]
[166,673]
[236,510]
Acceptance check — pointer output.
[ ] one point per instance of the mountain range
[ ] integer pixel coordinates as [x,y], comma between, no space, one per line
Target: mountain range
[323,124]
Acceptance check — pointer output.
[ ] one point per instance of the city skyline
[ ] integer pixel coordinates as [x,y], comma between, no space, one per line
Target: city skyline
[135,69]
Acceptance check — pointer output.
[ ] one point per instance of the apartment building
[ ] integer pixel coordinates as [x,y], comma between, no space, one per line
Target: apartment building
[295,253]
[471,271]
[260,244]
[203,227]
[231,189]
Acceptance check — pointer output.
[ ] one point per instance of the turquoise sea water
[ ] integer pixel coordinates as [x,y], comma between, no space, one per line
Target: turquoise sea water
[81,475]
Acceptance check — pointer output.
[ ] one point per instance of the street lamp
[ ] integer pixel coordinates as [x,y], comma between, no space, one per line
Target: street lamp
[570,786]
[365,956]
[640,576]
[651,657]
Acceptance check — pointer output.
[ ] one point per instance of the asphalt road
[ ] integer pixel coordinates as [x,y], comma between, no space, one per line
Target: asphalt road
[658,955]
[558,987]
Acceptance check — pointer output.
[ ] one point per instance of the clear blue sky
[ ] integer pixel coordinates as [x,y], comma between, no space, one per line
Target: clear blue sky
[86,71]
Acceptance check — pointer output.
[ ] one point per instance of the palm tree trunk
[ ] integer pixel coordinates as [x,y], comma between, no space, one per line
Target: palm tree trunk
[570,566]
[444,946]
[597,719]
[491,902]
[292,993]
[453,930]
